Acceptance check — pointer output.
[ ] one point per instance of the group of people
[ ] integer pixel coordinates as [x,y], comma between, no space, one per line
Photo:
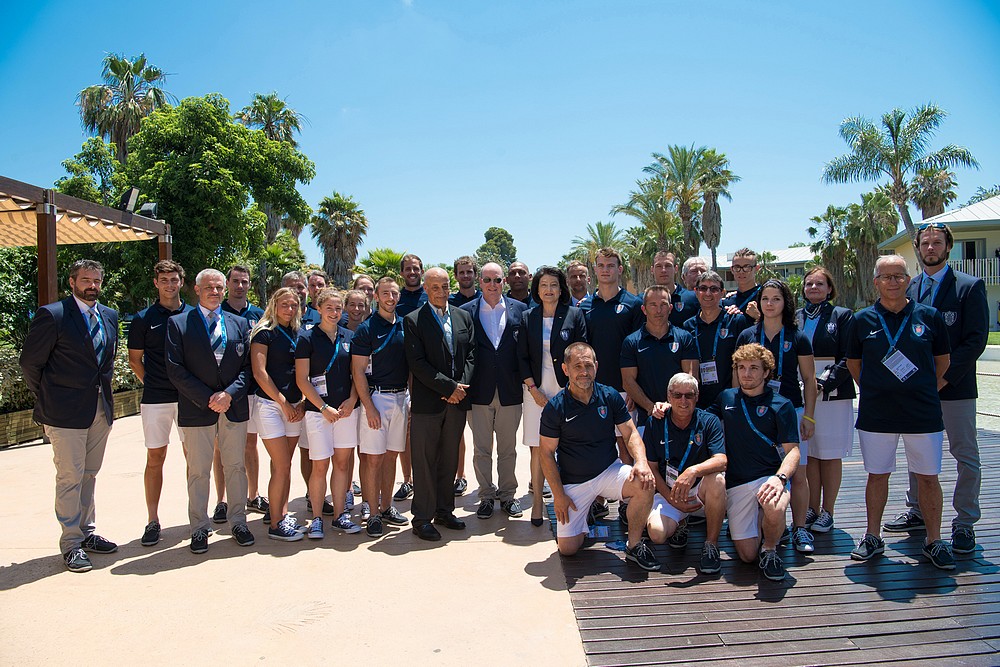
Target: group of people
[681,403]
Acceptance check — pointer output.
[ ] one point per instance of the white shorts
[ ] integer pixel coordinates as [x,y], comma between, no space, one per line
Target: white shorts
[271,421]
[324,436]
[743,509]
[392,409]
[608,485]
[633,414]
[157,418]
[254,401]
[663,506]
[923,452]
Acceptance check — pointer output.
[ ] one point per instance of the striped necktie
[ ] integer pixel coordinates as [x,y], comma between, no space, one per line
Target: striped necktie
[925,297]
[215,337]
[96,333]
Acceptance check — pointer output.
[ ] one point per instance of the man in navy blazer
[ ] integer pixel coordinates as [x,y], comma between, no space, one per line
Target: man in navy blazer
[68,363]
[961,300]
[208,361]
[495,391]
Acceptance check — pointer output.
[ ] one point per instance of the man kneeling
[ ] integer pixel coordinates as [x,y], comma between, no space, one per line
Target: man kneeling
[762,445]
[686,452]
[579,424]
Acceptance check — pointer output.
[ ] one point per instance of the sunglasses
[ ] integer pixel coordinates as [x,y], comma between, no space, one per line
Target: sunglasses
[689,395]
[708,288]
[496,281]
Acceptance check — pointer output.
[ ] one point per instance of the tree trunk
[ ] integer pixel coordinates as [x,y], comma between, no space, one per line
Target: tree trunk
[715,263]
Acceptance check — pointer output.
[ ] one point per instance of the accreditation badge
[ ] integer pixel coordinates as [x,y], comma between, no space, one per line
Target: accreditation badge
[899,365]
[774,384]
[709,373]
[319,383]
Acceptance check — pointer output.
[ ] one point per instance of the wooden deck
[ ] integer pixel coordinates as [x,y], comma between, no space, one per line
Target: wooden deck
[830,610]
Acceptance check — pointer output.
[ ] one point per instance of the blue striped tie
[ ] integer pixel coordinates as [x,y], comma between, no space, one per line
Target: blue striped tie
[926,298]
[215,337]
[96,334]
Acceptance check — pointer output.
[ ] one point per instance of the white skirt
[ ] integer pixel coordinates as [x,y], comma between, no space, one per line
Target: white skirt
[834,436]
[531,414]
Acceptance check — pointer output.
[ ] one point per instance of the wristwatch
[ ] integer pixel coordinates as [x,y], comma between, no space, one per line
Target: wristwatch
[783,477]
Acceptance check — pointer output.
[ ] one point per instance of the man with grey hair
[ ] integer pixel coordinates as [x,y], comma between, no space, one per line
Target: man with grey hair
[208,361]
[899,348]
[686,450]
[691,270]
[68,363]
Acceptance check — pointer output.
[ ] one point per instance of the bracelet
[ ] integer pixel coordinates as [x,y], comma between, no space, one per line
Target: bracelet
[808,418]
[324,407]
[529,386]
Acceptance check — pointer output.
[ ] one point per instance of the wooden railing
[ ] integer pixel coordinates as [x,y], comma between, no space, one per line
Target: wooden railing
[987,269]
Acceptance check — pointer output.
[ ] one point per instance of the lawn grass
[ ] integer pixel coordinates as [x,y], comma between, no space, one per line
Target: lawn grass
[994,338]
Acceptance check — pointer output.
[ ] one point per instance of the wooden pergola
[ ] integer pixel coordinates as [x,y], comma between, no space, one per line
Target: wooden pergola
[34,216]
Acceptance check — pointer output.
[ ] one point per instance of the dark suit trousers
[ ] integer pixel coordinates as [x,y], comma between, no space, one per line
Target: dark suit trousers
[434,442]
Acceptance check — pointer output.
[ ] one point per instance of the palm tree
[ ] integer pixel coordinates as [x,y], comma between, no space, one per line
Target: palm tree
[338,227]
[651,206]
[868,224]
[932,190]
[132,90]
[599,235]
[765,261]
[381,262]
[896,149]
[715,181]
[639,249]
[982,194]
[832,247]
[680,172]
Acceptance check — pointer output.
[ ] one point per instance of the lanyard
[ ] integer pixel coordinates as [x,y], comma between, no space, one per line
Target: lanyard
[719,321]
[934,290]
[336,349]
[222,325]
[666,439]
[753,427]
[749,298]
[780,357]
[388,337]
[899,332]
[285,334]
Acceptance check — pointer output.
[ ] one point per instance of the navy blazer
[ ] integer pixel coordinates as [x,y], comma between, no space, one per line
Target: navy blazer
[497,369]
[191,367]
[568,326]
[61,367]
[832,334]
[961,300]
[436,372]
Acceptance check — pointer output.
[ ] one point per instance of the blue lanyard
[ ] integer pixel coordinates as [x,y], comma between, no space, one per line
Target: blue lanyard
[720,320]
[899,332]
[222,325]
[934,290]
[753,427]
[666,439]
[336,349]
[749,298]
[285,334]
[388,337]
[780,357]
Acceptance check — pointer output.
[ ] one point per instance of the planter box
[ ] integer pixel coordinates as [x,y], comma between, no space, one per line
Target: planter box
[18,427]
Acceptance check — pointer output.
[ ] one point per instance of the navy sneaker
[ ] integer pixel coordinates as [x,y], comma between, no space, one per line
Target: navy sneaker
[151,535]
[770,565]
[285,532]
[939,554]
[96,544]
[243,536]
[76,561]
[199,541]
[963,540]
[220,512]
[392,516]
[905,522]
[869,547]
[642,555]
[405,491]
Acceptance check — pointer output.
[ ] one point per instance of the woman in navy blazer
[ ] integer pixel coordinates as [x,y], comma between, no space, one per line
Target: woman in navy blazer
[548,329]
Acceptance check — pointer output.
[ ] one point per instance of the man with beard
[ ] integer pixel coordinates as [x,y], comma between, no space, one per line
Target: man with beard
[315,282]
[412,297]
[578,280]
[68,363]
[466,273]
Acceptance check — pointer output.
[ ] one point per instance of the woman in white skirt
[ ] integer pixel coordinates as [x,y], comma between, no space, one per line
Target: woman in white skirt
[827,326]
[323,373]
[279,408]
[548,329]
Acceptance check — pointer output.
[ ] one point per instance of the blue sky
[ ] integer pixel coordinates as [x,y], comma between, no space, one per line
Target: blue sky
[445,118]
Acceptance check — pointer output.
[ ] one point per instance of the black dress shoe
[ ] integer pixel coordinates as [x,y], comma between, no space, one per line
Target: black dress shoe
[450,521]
[426,531]
[537,522]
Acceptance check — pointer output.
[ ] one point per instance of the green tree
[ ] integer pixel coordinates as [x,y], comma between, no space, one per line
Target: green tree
[765,261]
[131,90]
[651,205]
[982,194]
[498,247]
[716,177]
[832,247]
[94,173]
[18,293]
[681,172]
[338,226]
[868,224]
[932,190]
[280,257]
[639,248]
[203,168]
[599,235]
[893,150]
[381,262]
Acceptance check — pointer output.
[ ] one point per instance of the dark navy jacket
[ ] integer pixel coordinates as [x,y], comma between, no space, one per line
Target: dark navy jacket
[192,368]
[61,367]
[497,369]
[830,340]
[961,300]
[568,326]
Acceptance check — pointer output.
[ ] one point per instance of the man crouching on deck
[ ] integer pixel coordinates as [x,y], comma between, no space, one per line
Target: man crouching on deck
[578,424]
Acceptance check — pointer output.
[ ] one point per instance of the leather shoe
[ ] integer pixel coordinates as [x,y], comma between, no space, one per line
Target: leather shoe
[450,521]
[426,531]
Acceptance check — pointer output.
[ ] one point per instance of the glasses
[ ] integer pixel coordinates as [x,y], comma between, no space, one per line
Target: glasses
[892,277]
[708,288]
[487,281]
[933,225]
[742,268]
[689,395]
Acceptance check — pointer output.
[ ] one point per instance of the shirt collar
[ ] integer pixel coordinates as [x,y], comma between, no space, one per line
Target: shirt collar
[84,308]
[206,312]
[937,277]
[501,305]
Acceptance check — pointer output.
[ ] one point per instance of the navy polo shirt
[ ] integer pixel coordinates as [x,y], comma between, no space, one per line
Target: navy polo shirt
[796,344]
[317,347]
[389,368]
[410,300]
[684,304]
[750,457]
[727,328]
[250,313]
[657,360]
[458,299]
[310,317]
[703,433]
[888,405]
[586,433]
[280,365]
[608,324]
[148,332]
[741,299]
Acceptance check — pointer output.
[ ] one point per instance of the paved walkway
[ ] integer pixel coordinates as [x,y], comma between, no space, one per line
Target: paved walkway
[492,594]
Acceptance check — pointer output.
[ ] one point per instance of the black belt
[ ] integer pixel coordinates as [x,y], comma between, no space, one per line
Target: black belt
[372,389]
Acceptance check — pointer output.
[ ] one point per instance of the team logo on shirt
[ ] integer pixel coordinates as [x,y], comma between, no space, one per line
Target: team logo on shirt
[723,332]
[679,306]
[950,317]
[309,326]
[620,307]
[347,346]
[697,439]
[564,334]
[788,346]
[239,349]
[515,334]
[674,347]
[761,410]
[831,327]
[918,330]
[602,411]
